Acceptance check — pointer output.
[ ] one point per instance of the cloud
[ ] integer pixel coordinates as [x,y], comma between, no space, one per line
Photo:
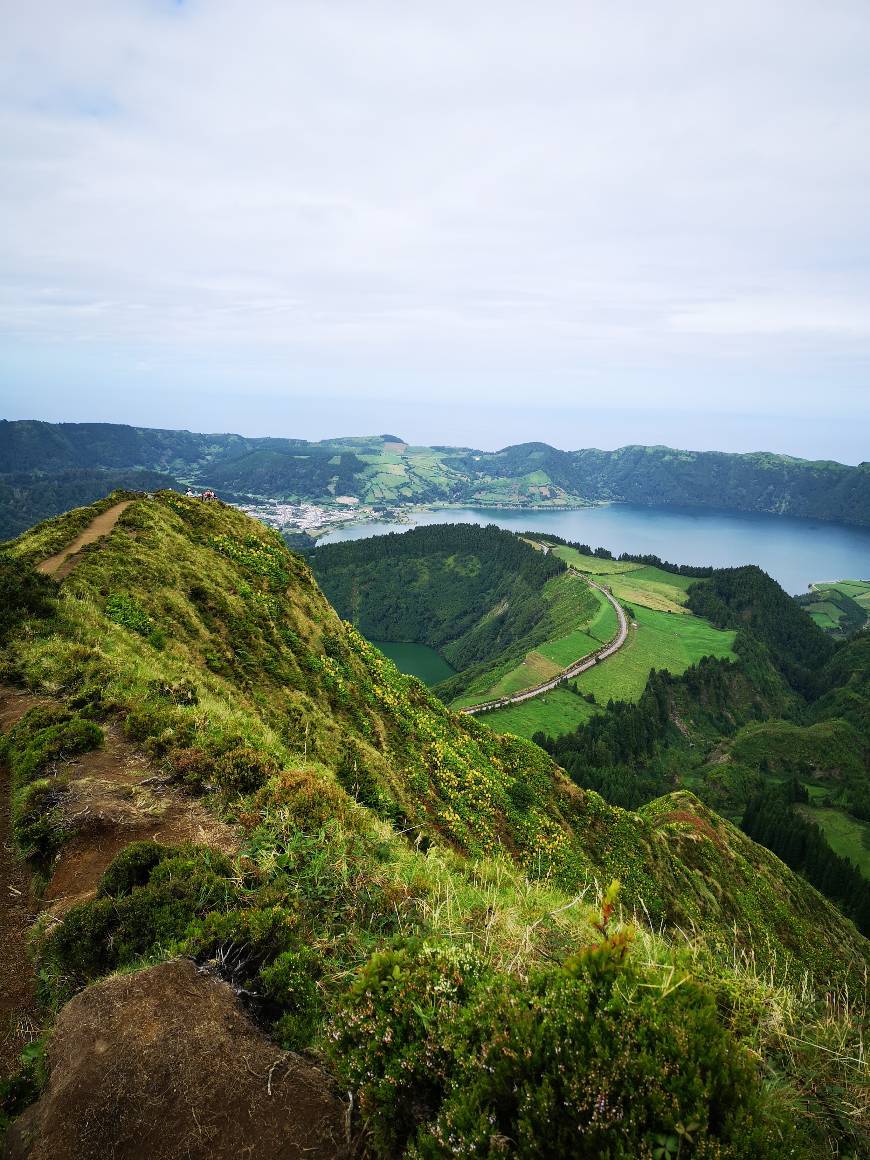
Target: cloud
[526,200]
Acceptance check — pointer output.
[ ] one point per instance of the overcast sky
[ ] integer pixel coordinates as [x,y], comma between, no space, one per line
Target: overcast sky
[589,223]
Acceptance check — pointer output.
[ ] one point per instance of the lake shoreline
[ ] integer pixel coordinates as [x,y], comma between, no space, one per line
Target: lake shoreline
[794,550]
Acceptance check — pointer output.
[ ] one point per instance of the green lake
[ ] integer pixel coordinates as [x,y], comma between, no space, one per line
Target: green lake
[416,659]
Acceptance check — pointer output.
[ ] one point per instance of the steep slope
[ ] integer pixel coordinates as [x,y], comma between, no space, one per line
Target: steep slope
[459,868]
[197,626]
[481,596]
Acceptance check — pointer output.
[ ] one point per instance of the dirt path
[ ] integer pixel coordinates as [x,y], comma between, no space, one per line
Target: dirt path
[19,1018]
[96,529]
[112,797]
[573,670]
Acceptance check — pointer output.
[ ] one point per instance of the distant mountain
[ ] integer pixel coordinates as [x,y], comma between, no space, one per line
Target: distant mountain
[43,464]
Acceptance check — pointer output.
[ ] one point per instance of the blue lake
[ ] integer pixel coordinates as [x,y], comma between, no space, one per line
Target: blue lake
[795,552]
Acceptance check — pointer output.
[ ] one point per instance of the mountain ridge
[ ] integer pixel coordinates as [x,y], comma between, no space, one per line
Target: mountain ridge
[396,858]
[376,470]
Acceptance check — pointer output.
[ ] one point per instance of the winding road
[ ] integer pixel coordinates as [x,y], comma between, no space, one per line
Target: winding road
[574,669]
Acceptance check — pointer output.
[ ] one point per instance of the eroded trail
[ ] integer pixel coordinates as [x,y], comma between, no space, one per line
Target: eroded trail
[109,797]
[19,1019]
[62,563]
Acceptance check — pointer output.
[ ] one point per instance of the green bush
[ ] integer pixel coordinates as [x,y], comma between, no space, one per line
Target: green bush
[596,1058]
[132,868]
[243,770]
[124,610]
[20,1089]
[113,931]
[28,758]
[290,981]
[38,819]
[390,1040]
[23,594]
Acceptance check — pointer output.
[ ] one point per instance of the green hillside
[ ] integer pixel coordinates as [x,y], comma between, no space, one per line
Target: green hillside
[418,901]
[42,461]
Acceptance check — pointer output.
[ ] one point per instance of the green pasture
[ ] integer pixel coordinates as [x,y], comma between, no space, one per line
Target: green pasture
[584,620]
[557,712]
[847,836]
[661,640]
[591,563]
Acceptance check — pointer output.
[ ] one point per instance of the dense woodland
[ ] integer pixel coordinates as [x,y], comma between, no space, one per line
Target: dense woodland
[771,819]
[470,592]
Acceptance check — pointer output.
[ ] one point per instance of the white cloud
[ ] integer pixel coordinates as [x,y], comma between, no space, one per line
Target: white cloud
[525,198]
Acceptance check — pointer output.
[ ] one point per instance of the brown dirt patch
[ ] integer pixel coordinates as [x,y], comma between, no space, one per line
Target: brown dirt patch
[115,797]
[164,1065]
[19,1018]
[60,565]
[698,824]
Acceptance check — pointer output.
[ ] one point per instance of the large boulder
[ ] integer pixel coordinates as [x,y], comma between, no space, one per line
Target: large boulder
[163,1064]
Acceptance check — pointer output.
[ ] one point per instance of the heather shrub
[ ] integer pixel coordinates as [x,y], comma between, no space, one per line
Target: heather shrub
[243,769]
[390,1040]
[132,868]
[598,1057]
[30,754]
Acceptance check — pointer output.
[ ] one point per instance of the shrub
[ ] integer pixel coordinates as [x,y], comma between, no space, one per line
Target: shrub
[124,610]
[584,1062]
[38,819]
[243,770]
[290,981]
[23,593]
[132,868]
[390,1039]
[597,1058]
[28,758]
[23,1087]
[192,767]
[112,931]
[313,801]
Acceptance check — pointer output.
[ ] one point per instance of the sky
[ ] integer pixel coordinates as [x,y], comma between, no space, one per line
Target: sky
[585,223]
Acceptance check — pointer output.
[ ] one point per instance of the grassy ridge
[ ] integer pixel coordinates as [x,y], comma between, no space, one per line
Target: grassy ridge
[410,881]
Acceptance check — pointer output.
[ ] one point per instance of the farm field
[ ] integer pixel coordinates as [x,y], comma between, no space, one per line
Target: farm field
[554,713]
[859,590]
[591,563]
[839,606]
[585,620]
[661,640]
[847,836]
[664,635]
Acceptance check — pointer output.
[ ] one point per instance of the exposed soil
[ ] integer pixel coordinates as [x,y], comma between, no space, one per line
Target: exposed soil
[114,797]
[19,1017]
[164,1065]
[61,564]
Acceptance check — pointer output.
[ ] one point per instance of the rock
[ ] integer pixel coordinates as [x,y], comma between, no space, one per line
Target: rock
[164,1064]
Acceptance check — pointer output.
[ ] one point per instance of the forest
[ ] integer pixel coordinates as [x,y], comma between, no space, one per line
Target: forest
[470,592]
